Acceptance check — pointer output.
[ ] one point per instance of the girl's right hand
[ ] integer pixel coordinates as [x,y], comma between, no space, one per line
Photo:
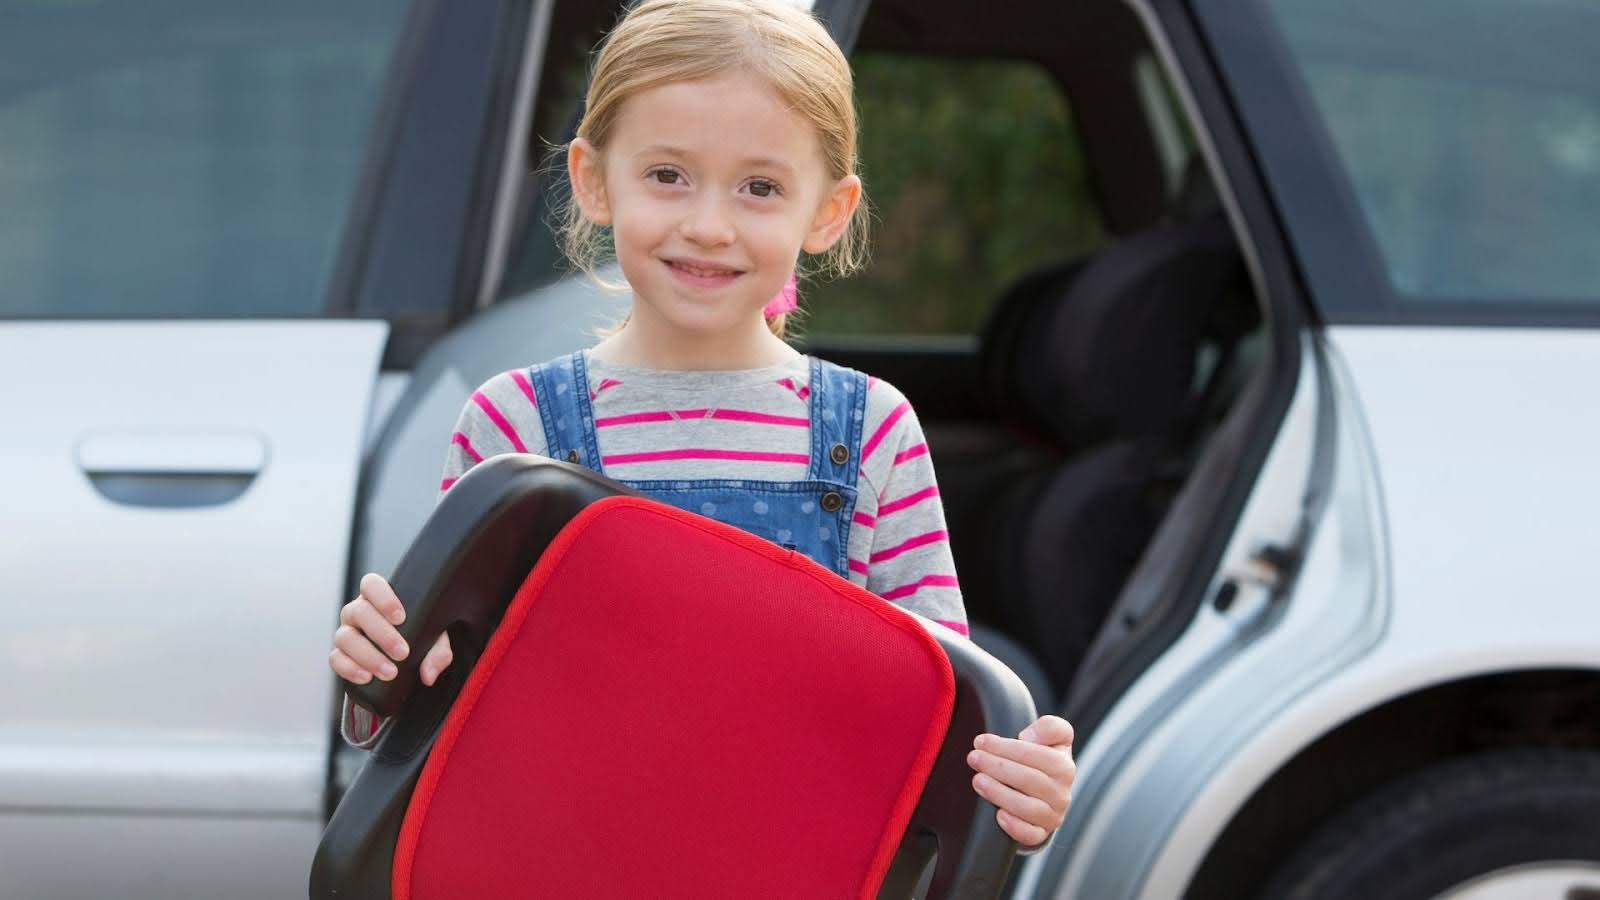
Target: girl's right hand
[367,642]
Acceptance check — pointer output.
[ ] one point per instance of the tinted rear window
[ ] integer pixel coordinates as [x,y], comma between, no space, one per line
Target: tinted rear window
[181,159]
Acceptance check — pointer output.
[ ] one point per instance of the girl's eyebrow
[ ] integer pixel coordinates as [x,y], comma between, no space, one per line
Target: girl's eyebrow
[766,162]
[759,162]
[660,150]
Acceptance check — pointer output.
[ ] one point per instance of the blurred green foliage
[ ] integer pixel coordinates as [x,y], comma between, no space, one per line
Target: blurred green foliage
[975,176]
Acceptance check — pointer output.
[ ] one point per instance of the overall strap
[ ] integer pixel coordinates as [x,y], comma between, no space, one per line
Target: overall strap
[583,401]
[838,407]
[562,388]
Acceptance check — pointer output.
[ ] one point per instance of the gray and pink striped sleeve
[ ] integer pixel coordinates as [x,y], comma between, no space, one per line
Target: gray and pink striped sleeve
[501,416]
[903,547]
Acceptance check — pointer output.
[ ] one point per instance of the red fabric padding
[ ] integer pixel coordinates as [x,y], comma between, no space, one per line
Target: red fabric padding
[672,707]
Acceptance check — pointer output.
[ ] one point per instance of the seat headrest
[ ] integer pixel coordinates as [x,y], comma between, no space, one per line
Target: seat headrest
[1003,331]
[1107,350]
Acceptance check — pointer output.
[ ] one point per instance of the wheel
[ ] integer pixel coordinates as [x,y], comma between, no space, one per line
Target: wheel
[1496,826]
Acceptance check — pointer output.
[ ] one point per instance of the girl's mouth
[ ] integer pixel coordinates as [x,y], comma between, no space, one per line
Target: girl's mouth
[701,274]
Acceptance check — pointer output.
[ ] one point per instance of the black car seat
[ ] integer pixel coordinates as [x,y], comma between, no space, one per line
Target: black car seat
[1099,358]
[977,461]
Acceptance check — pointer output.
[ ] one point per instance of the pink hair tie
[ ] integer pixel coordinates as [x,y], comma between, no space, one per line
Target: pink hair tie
[787,299]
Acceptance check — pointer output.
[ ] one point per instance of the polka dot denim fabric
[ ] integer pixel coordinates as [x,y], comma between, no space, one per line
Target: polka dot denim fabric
[791,514]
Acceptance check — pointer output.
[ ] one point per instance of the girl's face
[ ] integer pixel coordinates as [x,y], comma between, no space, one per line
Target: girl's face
[711,189]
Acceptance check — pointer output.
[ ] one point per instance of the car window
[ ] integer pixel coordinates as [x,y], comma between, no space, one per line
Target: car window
[1461,137]
[576,29]
[975,176]
[181,158]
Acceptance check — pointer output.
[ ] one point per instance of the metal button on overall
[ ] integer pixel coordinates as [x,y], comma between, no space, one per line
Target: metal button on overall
[831,501]
[572,456]
[839,453]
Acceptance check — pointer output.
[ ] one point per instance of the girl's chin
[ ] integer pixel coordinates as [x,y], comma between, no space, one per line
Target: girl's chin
[703,318]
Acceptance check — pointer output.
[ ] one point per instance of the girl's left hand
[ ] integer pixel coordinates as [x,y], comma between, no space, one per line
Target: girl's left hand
[1029,778]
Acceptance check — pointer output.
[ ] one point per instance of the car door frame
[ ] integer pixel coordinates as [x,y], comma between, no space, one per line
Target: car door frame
[1172,579]
[429,224]
[1181,568]
[428,229]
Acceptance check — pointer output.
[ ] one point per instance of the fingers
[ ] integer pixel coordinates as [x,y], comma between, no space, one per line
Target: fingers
[1028,779]
[1052,731]
[1054,762]
[347,668]
[377,591]
[366,643]
[1023,833]
[363,617]
[1051,791]
[355,647]
[1028,820]
[439,656]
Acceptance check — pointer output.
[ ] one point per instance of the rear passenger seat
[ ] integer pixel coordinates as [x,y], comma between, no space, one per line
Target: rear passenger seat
[1094,361]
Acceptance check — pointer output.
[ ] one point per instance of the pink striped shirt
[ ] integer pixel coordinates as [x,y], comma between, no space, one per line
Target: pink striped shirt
[749,424]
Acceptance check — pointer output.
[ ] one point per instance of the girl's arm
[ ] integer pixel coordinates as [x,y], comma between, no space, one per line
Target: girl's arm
[500,417]
[905,551]
[907,561]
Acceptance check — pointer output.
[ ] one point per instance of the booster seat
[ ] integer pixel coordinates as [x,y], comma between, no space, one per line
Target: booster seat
[645,702]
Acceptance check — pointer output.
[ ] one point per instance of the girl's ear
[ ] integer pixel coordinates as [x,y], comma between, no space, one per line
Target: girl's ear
[588,182]
[833,216]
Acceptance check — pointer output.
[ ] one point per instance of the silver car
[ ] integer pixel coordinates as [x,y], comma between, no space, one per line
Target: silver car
[1262,336]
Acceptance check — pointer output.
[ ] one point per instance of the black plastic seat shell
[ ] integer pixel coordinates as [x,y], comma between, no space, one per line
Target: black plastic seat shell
[466,564]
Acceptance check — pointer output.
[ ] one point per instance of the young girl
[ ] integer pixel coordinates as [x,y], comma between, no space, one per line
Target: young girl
[717,145]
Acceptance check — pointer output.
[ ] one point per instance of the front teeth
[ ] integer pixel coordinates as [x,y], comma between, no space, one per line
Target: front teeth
[703,273]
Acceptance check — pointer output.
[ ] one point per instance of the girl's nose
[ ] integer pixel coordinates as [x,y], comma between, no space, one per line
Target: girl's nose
[708,222]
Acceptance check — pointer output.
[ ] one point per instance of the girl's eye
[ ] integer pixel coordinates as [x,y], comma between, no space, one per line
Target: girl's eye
[763,188]
[665,176]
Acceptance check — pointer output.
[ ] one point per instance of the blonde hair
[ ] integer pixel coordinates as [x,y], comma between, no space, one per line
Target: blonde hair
[665,41]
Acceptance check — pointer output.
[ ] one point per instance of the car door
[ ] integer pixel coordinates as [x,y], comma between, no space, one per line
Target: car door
[181,422]
[1410,418]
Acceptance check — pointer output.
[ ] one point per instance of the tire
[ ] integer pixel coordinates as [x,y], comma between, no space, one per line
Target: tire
[1449,824]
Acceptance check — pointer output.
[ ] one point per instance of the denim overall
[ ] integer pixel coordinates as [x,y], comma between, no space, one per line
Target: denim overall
[811,516]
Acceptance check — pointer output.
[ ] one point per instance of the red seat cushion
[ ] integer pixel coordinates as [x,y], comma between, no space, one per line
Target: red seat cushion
[674,708]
